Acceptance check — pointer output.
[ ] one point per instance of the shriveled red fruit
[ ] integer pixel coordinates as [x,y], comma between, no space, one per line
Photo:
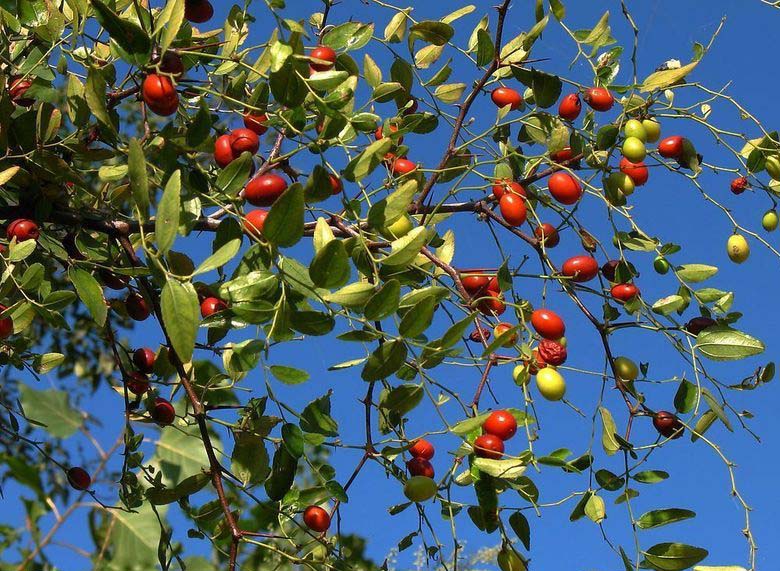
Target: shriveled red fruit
[500,423]
[256,122]
[638,172]
[137,383]
[198,11]
[503,96]
[671,147]
[492,303]
[255,222]
[144,359]
[667,424]
[489,446]
[137,307]
[739,185]
[564,188]
[324,53]
[599,98]
[223,151]
[422,449]
[513,209]
[502,187]
[502,328]
[212,305]
[263,190]
[23,229]
[163,412]
[479,334]
[403,166]
[112,280]
[548,235]
[570,107]
[562,155]
[244,140]
[336,186]
[699,324]
[6,325]
[159,94]
[548,324]
[316,519]
[552,352]
[624,292]
[17,87]
[420,467]
[580,268]
[79,479]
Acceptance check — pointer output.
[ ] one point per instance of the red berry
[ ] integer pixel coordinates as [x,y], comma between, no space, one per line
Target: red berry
[489,446]
[739,185]
[6,325]
[173,64]
[223,151]
[502,328]
[137,383]
[17,88]
[420,467]
[163,412]
[256,122]
[636,171]
[79,479]
[316,519]
[570,107]
[565,154]
[159,94]
[403,166]
[513,209]
[23,229]
[198,11]
[379,133]
[263,190]
[422,449]
[609,269]
[244,140]
[564,188]
[668,425]
[255,222]
[323,53]
[492,304]
[336,186]
[671,147]
[500,423]
[212,305]
[475,284]
[503,96]
[624,292]
[502,187]
[551,352]
[137,307]
[580,268]
[548,324]
[548,235]
[144,359]
[599,98]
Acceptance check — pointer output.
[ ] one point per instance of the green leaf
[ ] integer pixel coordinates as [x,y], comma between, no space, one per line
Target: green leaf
[674,556]
[249,460]
[90,292]
[668,305]
[685,397]
[665,78]
[316,418]
[418,319]
[365,163]
[703,425]
[18,251]
[505,469]
[595,508]
[696,273]
[716,408]
[521,527]
[289,375]
[404,250]
[351,295]
[139,182]
[188,486]
[233,177]
[284,224]
[324,80]
[450,92]
[51,409]
[723,343]
[222,256]
[384,361]
[169,21]
[650,476]
[95,94]
[348,36]
[166,223]
[384,302]
[558,9]
[128,35]
[436,33]
[486,51]
[179,306]
[330,266]
[657,518]
[293,439]
[608,440]
[396,28]
[282,474]
[395,403]
[47,362]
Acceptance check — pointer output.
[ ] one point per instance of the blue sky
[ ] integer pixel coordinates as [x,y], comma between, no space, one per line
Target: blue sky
[666,207]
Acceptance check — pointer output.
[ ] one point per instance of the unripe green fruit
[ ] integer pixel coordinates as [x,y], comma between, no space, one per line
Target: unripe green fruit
[652,130]
[521,375]
[635,128]
[622,182]
[738,248]
[661,265]
[398,229]
[528,96]
[509,560]
[551,384]
[420,488]
[634,150]
[769,221]
[626,369]
[773,167]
